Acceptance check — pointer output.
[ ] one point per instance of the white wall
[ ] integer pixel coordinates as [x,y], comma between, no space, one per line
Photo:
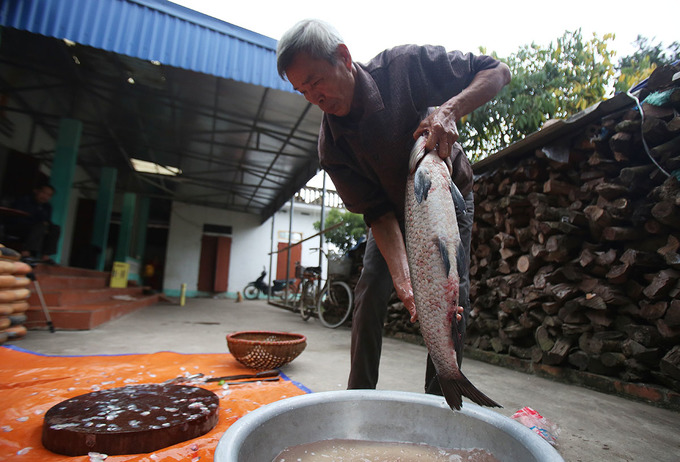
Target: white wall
[250,245]
[303,222]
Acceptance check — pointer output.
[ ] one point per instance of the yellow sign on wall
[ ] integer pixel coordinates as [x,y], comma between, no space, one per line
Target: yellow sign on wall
[119,274]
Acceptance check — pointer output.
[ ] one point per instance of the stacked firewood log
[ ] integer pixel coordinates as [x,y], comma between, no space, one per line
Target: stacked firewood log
[576,262]
[14,293]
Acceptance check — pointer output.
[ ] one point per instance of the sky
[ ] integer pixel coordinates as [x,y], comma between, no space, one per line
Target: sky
[370,26]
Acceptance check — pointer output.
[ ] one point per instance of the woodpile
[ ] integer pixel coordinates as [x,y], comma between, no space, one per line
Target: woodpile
[577,263]
[576,250]
[14,293]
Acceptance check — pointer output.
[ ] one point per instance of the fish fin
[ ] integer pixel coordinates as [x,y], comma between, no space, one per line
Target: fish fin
[457,334]
[454,390]
[421,186]
[458,200]
[444,253]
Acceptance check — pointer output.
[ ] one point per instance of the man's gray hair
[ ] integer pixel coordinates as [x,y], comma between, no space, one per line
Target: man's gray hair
[313,36]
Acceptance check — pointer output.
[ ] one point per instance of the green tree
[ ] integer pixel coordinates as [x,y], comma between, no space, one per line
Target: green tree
[346,235]
[550,82]
[636,67]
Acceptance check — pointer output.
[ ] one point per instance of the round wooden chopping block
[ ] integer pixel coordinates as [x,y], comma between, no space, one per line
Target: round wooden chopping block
[129,420]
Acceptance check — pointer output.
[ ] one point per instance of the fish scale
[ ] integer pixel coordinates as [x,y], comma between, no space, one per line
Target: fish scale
[433,245]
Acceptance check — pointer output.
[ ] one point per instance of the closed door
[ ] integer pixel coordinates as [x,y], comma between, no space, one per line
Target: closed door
[213,272]
[295,255]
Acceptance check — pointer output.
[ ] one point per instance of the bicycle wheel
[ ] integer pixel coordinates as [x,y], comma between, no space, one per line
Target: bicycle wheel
[288,296]
[335,304]
[251,292]
[307,299]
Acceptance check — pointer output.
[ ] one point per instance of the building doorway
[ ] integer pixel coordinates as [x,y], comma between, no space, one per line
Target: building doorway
[282,259]
[213,272]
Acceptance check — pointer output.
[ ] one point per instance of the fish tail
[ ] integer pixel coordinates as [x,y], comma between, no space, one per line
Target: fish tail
[455,389]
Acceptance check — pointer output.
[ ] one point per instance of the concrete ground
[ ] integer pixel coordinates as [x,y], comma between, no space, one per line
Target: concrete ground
[593,426]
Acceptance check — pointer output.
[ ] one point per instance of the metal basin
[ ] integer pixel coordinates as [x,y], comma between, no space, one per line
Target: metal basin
[377,415]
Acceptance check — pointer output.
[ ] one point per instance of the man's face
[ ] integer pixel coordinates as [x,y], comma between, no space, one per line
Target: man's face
[331,87]
[43,195]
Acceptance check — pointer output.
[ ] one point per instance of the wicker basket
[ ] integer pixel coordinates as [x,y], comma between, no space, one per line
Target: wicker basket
[265,350]
[340,266]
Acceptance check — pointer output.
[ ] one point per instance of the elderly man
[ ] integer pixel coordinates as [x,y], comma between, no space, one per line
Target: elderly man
[372,114]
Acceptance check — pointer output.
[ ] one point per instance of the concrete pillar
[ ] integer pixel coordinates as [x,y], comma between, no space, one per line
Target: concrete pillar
[142,224]
[63,167]
[127,221]
[102,214]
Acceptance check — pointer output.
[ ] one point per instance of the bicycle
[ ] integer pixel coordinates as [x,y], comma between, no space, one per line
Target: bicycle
[333,302]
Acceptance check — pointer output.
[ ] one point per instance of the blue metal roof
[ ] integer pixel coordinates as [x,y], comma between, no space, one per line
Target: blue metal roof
[154,30]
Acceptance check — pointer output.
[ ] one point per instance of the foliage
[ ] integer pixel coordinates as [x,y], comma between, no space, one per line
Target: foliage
[346,235]
[550,82]
[640,65]
[556,81]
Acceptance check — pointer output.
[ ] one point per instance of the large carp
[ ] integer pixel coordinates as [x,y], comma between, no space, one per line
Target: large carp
[435,257]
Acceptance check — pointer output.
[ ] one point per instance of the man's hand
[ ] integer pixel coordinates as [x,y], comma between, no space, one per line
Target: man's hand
[440,125]
[405,294]
[390,241]
[440,129]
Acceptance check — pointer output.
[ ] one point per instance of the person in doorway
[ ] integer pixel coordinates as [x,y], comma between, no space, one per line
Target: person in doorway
[372,114]
[37,235]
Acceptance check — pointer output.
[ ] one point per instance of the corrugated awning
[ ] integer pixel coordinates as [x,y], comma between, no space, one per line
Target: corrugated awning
[153,30]
[152,80]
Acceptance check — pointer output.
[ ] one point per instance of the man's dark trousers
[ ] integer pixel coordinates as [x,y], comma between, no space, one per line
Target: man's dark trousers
[372,294]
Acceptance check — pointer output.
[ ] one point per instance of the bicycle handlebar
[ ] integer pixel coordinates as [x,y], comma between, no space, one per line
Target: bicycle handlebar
[320,250]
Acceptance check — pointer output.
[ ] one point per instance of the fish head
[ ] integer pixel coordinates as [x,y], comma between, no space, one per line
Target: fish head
[449,165]
[417,154]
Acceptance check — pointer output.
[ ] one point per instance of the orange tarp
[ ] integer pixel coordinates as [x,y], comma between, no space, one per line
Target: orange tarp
[30,384]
